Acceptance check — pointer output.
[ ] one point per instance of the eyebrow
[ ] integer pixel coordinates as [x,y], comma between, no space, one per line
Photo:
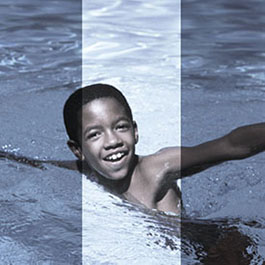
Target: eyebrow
[122,118]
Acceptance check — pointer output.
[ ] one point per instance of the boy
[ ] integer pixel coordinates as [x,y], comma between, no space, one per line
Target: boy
[103,135]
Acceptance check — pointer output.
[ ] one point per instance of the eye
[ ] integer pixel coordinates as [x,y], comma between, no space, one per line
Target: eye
[124,126]
[93,135]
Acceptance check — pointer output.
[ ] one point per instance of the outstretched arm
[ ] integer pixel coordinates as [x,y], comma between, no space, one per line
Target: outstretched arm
[70,164]
[240,143]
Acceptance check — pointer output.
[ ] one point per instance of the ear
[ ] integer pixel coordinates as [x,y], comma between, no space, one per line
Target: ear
[76,149]
[136,135]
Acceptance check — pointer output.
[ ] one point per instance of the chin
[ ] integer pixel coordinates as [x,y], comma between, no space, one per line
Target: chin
[116,176]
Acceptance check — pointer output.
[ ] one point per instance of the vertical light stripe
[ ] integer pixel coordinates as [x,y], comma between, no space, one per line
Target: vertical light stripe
[108,59]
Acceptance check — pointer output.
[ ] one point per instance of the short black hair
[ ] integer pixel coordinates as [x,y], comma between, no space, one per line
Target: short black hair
[82,96]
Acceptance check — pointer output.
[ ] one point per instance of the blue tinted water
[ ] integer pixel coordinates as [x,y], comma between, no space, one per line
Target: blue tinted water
[40,63]
[135,46]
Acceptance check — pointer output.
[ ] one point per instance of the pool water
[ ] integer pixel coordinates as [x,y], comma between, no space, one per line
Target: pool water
[46,54]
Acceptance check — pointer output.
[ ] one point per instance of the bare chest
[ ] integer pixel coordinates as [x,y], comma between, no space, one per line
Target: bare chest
[152,194]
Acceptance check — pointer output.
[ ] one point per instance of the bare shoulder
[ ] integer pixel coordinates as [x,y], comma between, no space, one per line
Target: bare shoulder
[161,163]
[168,157]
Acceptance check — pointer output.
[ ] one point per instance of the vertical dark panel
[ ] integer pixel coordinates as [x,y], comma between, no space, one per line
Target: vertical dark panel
[222,88]
[40,65]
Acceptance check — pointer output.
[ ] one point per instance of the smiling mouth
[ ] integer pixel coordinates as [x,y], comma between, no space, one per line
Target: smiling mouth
[115,157]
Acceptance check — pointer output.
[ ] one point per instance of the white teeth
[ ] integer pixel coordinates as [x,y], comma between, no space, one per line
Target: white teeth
[115,156]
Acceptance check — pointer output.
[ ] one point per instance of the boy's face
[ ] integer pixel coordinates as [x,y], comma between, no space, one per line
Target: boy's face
[108,138]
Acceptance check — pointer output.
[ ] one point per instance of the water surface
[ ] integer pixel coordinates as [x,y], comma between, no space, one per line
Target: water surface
[135,46]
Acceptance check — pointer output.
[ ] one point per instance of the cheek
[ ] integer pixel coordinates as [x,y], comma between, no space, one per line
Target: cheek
[92,160]
[133,139]
[89,151]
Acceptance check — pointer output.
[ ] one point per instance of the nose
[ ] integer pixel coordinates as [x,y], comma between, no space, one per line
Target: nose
[112,140]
